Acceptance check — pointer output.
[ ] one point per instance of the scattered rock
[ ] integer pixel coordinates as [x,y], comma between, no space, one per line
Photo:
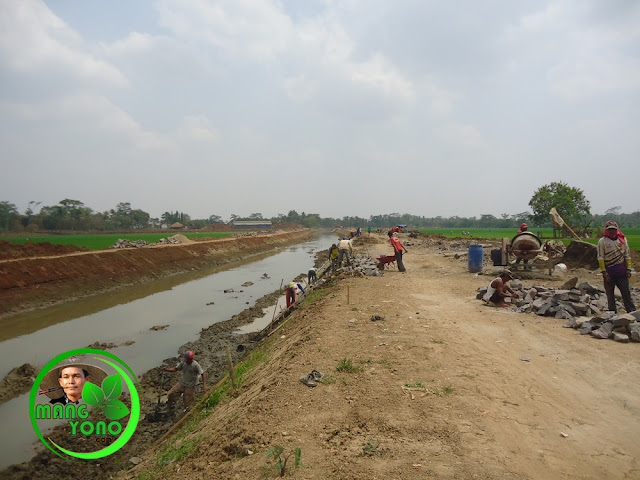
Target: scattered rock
[159,327]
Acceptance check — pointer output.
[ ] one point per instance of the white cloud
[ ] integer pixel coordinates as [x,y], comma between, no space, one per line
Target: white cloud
[257,28]
[457,135]
[197,128]
[33,39]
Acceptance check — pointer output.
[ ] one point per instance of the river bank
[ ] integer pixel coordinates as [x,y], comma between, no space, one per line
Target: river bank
[209,347]
[44,281]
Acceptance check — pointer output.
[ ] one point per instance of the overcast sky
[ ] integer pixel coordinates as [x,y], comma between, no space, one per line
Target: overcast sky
[336,107]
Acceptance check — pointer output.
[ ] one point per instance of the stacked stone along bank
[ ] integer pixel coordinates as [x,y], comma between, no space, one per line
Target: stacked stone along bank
[584,306]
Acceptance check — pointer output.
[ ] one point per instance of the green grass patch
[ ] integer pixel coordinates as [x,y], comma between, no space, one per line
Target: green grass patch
[445,392]
[100,241]
[244,367]
[346,365]
[175,453]
[415,385]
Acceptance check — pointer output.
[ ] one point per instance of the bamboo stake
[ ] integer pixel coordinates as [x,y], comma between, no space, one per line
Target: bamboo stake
[231,372]
[276,306]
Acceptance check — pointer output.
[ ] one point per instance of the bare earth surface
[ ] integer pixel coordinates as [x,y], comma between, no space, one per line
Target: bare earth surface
[441,389]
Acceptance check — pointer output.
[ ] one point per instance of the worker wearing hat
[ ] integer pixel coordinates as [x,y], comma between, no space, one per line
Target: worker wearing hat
[498,290]
[186,386]
[523,228]
[614,258]
[65,383]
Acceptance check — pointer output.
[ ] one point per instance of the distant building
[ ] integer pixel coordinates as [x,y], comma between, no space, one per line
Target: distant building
[251,224]
[177,226]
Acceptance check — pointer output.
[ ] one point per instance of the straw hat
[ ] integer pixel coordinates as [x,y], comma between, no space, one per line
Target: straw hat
[50,380]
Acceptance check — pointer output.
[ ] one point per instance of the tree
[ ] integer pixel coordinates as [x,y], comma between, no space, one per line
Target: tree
[8,211]
[215,219]
[570,202]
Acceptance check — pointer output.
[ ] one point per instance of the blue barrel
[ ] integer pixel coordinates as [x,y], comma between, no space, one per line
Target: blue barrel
[475,258]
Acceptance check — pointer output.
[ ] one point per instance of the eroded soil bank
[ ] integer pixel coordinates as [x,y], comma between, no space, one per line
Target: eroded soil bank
[45,280]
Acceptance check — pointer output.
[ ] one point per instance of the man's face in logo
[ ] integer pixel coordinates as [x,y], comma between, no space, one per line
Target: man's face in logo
[72,379]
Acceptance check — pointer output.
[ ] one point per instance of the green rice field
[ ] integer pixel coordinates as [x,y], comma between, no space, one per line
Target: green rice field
[632,234]
[101,241]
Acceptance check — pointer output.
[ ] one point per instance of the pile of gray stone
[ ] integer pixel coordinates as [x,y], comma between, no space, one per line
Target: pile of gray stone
[363,264]
[583,305]
[124,243]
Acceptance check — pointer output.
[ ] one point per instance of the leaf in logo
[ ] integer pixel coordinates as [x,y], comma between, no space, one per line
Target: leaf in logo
[92,395]
[112,387]
[115,409]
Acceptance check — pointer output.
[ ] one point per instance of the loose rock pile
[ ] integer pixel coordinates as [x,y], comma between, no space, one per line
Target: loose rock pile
[576,304]
[363,264]
[124,243]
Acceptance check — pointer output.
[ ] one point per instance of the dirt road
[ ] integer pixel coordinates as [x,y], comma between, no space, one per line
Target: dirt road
[440,388]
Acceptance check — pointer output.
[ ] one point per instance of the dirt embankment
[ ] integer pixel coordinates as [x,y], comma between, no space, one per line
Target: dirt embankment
[46,279]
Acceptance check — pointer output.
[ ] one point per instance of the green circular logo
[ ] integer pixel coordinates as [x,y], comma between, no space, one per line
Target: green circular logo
[104,397]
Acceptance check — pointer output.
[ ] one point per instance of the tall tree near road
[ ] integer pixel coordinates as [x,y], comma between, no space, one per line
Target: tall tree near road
[570,202]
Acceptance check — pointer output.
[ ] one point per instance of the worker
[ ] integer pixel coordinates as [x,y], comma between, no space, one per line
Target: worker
[291,294]
[345,248]
[523,228]
[614,258]
[333,256]
[397,248]
[369,230]
[498,290]
[312,275]
[186,386]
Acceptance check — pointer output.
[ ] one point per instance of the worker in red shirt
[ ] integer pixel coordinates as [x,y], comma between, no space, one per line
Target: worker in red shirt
[398,248]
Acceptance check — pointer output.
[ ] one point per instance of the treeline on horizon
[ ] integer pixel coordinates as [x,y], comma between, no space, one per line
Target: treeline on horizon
[74,215]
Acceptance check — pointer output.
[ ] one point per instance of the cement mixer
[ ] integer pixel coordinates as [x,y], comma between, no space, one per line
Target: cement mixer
[524,246]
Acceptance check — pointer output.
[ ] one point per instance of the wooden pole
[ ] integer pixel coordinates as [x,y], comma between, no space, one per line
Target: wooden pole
[276,306]
[347,294]
[232,374]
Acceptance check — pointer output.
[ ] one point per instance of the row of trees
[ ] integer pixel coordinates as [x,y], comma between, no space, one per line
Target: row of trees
[73,215]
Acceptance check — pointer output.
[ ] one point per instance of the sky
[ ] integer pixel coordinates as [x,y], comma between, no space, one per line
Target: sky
[335,107]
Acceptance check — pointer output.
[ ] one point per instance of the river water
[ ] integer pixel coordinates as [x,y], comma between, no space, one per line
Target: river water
[179,302]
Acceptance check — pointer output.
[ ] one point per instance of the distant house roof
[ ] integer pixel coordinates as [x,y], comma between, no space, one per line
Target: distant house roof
[177,225]
[251,223]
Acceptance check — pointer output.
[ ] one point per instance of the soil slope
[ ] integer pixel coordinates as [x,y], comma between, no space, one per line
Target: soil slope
[443,387]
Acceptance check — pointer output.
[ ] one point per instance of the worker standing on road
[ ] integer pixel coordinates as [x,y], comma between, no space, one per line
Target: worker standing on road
[186,386]
[345,248]
[614,258]
[397,248]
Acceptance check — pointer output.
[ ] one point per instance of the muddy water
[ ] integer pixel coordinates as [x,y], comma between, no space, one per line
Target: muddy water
[185,308]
